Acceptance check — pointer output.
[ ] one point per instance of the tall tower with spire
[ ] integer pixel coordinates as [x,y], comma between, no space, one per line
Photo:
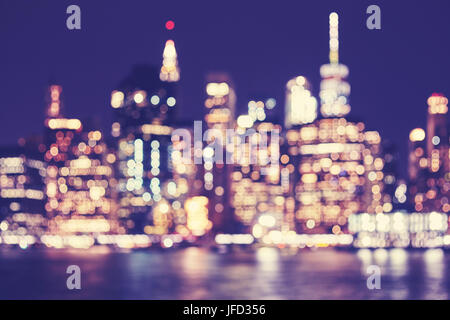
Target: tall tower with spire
[339,163]
[169,69]
[169,75]
[151,192]
[54,107]
[334,90]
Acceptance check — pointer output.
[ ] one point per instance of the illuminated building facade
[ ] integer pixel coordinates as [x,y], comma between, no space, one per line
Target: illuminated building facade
[59,137]
[257,193]
[85,189]
[338,165]
[79,181]
[220,107]
[301,105]
[301,109]
[143,142]
[391,179]
[429,169]
[438,194]
[378,190]
[331,184]
[149,184]
[399,229]
[22,215]
[191,216]
[426,194]
[417,167]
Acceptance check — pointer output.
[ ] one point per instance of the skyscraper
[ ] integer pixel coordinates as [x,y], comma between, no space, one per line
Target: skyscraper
[301,105]
[58,139]
[334,90]
[144,108]
[79,184]
[191,214]
[340,164]
[220,107]
[429,188]
[417,168]
[437,138]
[143,142]
[257,195]
[22,215]
[169,69]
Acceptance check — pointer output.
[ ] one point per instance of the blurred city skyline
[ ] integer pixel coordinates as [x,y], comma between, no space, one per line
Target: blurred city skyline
[261,47]
[212,150]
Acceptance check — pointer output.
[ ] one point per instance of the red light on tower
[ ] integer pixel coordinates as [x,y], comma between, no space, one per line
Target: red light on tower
[170,25]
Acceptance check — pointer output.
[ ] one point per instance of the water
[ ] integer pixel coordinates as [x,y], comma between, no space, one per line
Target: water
[195,273]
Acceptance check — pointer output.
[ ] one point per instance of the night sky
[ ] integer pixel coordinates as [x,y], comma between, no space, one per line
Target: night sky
[261,44]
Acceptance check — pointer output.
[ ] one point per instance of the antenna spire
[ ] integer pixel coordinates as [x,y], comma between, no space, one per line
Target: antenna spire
[54,107]
[170,72]
[334,38]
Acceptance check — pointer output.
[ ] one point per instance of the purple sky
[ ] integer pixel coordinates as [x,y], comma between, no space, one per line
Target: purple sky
[260,44]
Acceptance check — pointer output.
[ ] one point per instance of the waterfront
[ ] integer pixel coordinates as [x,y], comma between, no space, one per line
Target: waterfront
[195,273]
[211,133]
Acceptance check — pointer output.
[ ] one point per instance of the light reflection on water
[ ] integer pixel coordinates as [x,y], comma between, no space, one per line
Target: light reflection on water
[194,273]
[435,270]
